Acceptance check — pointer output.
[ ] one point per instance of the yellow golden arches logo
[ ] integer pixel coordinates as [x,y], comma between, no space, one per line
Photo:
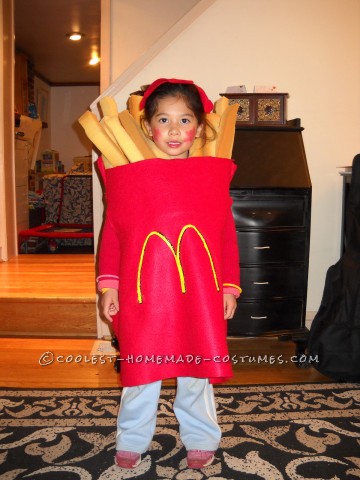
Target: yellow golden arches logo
[176,255]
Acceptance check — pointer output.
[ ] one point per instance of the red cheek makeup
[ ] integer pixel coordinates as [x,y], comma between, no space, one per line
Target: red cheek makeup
[190,135]
[156,134]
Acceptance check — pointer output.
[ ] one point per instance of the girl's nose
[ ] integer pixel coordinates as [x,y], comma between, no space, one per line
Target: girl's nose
[174,130]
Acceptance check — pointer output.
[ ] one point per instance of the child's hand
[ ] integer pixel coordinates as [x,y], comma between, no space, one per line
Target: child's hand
[229,305]
[110,303]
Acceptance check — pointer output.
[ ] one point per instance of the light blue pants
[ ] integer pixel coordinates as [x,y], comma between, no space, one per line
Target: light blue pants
[194,407]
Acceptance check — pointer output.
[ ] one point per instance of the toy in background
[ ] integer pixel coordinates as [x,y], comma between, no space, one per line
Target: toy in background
[81,165]
[49,163]
[32,245]
[53,245]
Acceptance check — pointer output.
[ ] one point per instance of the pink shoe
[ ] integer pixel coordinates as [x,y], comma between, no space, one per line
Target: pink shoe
[199,458]
[126,459]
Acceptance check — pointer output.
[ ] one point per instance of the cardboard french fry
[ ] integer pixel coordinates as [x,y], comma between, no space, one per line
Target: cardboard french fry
[225,139]
[101,140]
[221,105]
[107,130]
[107,164]
[209,149]
[136,133]
[196,149]
[134,107]
[108,107]
[124,140]
[214,120]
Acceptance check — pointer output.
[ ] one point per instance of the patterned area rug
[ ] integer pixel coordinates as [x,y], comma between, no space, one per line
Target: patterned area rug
[297,432]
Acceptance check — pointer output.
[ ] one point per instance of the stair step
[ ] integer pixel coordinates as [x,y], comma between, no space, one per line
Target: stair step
[48,295]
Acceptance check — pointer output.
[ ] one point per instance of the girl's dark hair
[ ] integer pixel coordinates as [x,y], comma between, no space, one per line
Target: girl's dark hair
[189,93]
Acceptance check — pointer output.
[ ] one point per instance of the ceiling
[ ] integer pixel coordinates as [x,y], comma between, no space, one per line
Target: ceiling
[40,32]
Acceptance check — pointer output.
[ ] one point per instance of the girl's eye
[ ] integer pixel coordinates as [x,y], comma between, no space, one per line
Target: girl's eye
[185,121]
[163,120]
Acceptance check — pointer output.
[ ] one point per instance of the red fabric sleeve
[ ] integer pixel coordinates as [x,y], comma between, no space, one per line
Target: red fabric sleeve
[231,261]
[109,257]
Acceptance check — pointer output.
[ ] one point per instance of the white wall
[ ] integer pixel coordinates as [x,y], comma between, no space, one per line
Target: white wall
[67,104]
[141,25]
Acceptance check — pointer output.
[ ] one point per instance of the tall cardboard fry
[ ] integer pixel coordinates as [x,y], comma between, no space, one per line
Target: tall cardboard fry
[225,140]
[101,140]
[136,133]
[134,107]
[108,106]
[209,149]
[196,150]
[221,105]
[124,140]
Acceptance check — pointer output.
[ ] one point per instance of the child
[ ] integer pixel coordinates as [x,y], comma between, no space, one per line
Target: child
[169,274]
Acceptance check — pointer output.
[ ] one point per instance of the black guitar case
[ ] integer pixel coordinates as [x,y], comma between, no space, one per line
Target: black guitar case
[334,338]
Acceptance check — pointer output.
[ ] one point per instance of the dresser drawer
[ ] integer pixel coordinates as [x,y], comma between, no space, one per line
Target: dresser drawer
[261,318]
[258,212]
[270,281]
[271,246]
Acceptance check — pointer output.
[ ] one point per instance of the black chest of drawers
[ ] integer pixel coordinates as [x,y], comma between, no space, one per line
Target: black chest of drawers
[271,194]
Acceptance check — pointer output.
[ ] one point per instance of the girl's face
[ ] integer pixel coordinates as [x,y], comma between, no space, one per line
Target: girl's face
[173,127]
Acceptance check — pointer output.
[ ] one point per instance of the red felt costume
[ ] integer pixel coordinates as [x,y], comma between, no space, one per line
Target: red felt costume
[169,237]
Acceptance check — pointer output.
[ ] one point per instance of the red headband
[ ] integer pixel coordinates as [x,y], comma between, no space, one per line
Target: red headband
[207,104]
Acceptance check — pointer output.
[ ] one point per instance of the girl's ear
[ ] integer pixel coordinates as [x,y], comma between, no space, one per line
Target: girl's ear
[148,128]
[199,130]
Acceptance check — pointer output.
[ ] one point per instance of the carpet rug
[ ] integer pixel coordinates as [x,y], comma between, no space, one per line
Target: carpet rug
[273,432]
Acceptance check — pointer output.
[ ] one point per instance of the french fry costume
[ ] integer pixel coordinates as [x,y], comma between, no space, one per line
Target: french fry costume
[168,244]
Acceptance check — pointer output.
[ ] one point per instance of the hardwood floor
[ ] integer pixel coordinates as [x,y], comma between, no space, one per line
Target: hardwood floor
[57,276]
[44,298]
[20,360]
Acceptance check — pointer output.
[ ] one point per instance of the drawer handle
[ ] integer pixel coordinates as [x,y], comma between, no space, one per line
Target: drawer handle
[258,318]
[261,283]
[262,248]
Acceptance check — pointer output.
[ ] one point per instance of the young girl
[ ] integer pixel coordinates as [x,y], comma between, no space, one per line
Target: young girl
[169,274]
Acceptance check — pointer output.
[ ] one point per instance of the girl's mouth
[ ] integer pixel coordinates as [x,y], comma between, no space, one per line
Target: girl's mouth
[174,144]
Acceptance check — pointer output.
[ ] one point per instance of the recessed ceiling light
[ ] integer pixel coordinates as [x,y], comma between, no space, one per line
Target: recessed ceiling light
[75,36]
[94,61]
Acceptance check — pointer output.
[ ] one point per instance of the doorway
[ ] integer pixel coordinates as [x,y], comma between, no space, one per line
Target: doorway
[54,79]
